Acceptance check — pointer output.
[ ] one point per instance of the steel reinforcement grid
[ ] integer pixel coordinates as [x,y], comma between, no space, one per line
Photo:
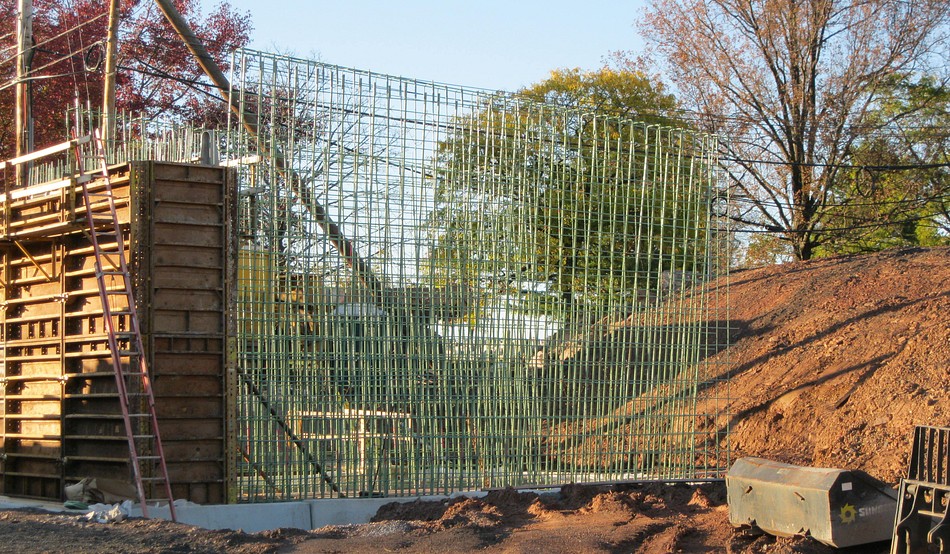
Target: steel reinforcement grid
[444,289]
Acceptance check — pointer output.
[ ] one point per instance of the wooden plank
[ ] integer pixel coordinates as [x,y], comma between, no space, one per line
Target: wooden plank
[180,321]
[202,217]
[82,469]
[188,173]
[190,344]
[39,429]
[48,151]
[207,450]
[41,407]
[102,449]
[188,364]
[190,192]
[178,235]
[180,254]
[187,429]
[195,300]
[181,386]
[187,256]
[172,321]
[189,471]
[189,408]
[194,278]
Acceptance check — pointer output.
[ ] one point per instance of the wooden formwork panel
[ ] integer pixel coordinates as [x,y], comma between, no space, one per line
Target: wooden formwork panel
[59,412]
[185,271]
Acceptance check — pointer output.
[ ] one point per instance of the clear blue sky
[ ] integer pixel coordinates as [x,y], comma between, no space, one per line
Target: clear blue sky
[497,44]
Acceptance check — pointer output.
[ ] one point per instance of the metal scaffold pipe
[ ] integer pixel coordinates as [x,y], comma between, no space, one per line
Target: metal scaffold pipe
[249,120]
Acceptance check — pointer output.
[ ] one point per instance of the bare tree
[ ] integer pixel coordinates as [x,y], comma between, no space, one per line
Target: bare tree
[790,85]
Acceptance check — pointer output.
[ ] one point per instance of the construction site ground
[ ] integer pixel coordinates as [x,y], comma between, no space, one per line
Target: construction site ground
[832,363]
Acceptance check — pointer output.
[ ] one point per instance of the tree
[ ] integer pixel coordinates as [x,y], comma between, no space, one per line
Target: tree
[791,85]
[622,89]
[562,204]
[897,192]
[157,76]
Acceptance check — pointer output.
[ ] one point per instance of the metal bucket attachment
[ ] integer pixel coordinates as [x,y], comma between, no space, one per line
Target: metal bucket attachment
[922,522]
[837,507]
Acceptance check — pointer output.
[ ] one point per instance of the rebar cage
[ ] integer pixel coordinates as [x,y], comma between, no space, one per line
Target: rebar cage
[445,288]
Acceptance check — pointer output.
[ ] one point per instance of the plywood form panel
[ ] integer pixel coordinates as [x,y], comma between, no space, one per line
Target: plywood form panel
[184,265]
[59,410]
[32,379]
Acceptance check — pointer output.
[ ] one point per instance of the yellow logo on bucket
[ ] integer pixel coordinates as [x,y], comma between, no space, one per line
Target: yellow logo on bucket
[848,514]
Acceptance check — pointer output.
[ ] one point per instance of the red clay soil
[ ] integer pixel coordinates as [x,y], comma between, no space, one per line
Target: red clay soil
[832,363]
[836,360]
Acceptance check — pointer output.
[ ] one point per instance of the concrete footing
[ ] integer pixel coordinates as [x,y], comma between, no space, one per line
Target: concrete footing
[253,518]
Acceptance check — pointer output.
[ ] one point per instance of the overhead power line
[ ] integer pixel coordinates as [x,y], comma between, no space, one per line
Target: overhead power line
[900,167]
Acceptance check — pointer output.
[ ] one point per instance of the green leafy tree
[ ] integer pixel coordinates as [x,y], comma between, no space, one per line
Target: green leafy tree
[556,197]
[896,192]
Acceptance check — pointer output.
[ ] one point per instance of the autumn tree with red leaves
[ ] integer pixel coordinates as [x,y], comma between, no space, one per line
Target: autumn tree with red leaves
[157,76]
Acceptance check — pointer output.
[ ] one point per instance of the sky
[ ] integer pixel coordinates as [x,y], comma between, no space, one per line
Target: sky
[493,44]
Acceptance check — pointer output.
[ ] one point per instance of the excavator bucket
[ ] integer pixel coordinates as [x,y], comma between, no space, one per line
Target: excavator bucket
[922,521]
[837,507]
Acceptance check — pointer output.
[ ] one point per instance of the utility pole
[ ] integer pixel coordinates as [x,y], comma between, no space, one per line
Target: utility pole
[24,119]
[108,94]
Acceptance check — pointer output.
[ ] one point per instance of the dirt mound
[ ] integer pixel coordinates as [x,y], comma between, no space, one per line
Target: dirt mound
[829,362]
[834,361]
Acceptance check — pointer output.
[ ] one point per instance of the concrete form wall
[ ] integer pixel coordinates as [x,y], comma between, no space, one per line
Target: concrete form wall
[59,415]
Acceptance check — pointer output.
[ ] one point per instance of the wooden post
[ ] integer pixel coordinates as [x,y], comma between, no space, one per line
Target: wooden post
[108,96]
[23,109]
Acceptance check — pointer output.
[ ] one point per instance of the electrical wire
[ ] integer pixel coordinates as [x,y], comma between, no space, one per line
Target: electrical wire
[902,167]
[39,45]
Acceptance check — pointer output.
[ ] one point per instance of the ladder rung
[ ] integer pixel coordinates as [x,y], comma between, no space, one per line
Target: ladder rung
[118,292]
[149,457]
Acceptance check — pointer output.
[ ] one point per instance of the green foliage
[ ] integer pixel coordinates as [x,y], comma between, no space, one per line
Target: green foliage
[897,194]
[620,89]
[566,204]
[765,249]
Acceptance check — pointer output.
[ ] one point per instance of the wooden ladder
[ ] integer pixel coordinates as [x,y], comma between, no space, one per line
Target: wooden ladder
[125,337]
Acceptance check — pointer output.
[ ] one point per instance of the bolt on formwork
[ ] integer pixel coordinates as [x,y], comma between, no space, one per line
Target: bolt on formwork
[444,288]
